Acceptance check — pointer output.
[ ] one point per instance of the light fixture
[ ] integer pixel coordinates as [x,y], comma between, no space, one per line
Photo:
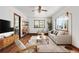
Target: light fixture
[39,9]
[66,17]
[67,13]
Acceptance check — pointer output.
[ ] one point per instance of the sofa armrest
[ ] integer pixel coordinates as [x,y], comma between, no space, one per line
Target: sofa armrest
[63,39]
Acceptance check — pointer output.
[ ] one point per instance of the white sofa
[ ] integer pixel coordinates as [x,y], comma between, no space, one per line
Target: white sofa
[60,39]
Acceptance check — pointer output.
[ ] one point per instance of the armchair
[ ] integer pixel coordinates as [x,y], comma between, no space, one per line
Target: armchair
[25,49]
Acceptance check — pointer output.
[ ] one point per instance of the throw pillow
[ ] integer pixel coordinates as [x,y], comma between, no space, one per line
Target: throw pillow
[52,32]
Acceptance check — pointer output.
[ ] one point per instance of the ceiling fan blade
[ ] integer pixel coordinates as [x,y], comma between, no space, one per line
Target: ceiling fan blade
[35,10]
[44,10]
[39,9]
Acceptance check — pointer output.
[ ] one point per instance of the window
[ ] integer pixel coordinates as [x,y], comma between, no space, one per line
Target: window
[39,23]
[61,23]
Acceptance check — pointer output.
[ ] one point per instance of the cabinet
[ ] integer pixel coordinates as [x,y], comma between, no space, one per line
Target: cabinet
[7,41]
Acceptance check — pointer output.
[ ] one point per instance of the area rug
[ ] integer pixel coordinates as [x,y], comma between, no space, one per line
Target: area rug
[49,48]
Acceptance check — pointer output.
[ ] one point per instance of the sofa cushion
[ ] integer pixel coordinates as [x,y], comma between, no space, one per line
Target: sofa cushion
[61,33]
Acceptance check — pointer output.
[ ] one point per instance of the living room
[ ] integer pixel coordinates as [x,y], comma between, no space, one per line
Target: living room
[29,23]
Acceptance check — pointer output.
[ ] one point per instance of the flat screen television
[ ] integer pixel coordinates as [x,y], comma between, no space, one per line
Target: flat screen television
[4,26]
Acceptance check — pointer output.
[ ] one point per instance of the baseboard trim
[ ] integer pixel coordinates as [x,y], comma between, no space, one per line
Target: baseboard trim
[36,34]
[33,34]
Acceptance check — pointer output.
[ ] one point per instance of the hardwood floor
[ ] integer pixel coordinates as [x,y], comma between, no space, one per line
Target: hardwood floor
[70,47]
[13,48]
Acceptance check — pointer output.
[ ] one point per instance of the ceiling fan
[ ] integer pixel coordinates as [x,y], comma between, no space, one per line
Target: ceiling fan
[39,9]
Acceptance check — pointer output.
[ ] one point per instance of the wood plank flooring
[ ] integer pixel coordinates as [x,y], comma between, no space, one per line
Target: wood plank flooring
[13,48]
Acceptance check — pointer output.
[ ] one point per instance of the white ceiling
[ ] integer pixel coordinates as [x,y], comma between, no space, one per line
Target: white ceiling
[27,11]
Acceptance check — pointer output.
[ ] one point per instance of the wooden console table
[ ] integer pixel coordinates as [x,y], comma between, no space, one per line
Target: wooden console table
[7,41]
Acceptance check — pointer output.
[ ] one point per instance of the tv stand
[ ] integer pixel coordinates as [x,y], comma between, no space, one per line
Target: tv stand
[8,41]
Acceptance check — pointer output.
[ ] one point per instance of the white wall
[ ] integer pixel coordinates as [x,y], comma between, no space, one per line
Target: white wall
[75,26]
[35,30]
[7,13]
[74,12]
